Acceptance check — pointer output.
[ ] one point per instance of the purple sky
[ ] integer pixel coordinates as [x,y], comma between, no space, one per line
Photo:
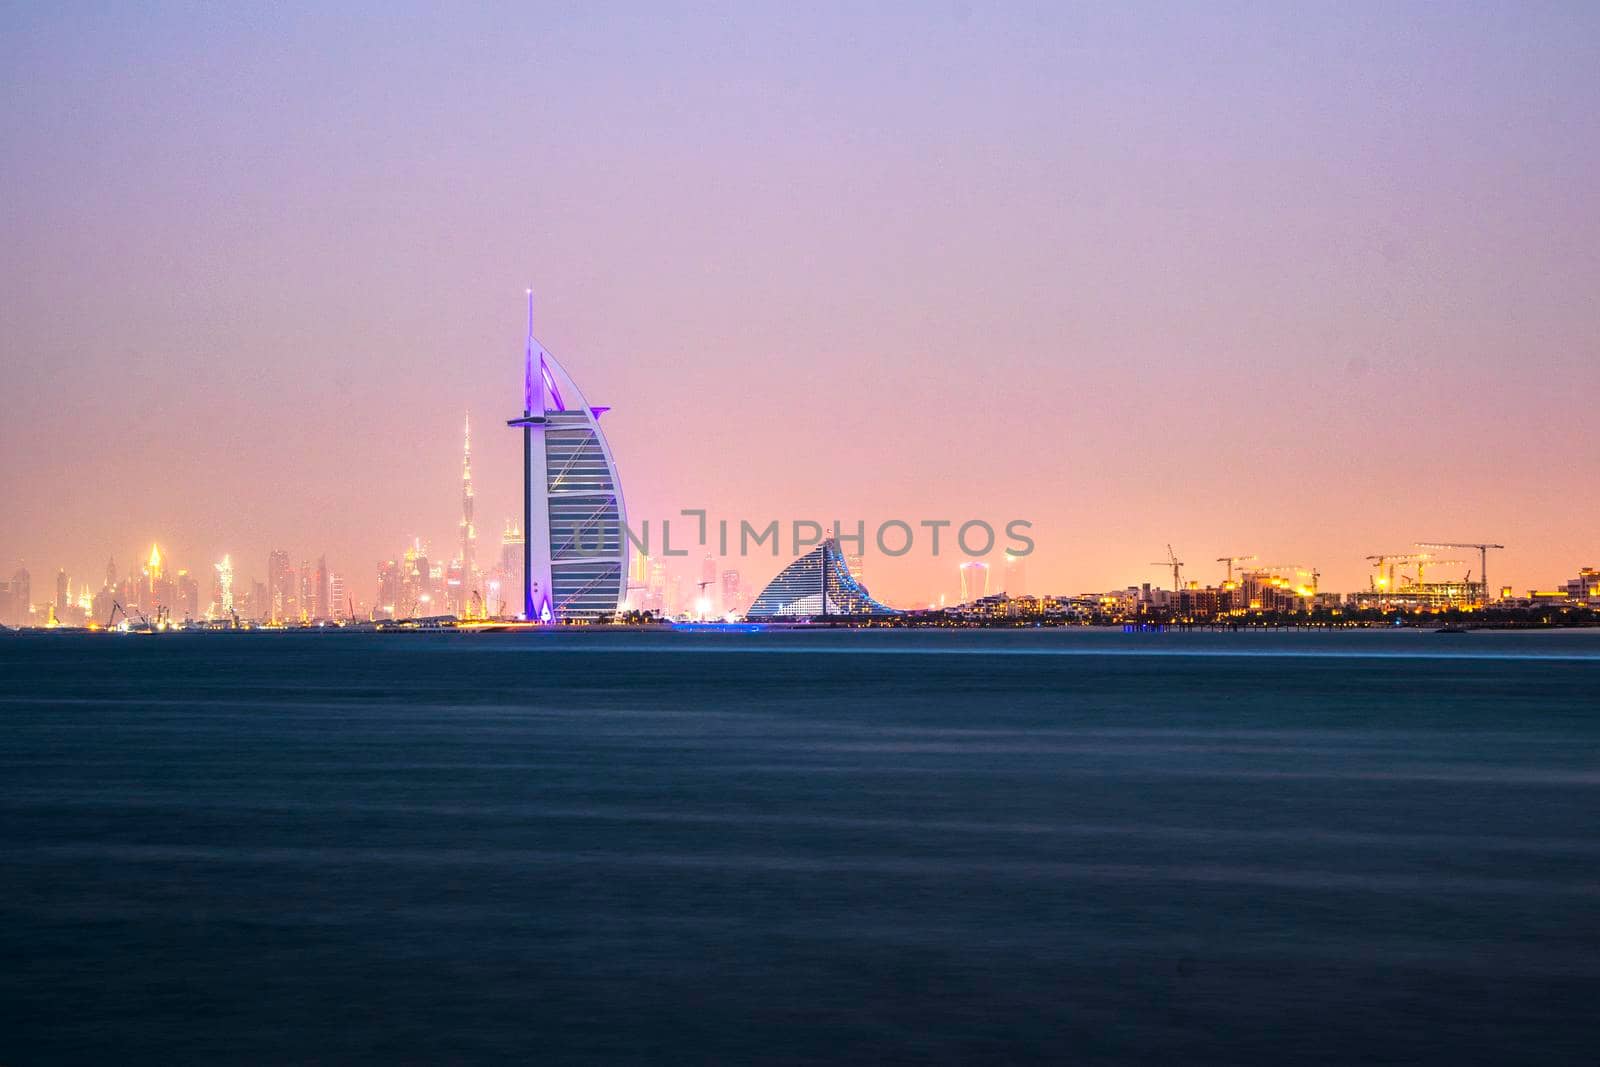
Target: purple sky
[1311,281]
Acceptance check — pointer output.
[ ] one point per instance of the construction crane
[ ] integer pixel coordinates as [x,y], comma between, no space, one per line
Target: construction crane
[1385,582]
[1483,558]
[1231,560]
[1175,563]
[1303,590]
[1423,560]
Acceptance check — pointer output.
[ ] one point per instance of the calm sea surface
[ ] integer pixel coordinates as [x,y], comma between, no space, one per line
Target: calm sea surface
[1073,847]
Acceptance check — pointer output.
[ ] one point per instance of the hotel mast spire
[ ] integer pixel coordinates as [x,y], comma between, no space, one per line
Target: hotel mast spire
[532,388]
[527,363]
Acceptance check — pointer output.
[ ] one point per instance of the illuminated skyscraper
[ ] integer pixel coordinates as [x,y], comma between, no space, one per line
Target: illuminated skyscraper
[511,551]
[320,609]
[469,531]
[730,592]
[63,603]
[575,556]
[225,585]
[280,594]
[638,582]
[154,578]
[655,597]
[338,603]
[1016,575]
[974,580]
[390,588]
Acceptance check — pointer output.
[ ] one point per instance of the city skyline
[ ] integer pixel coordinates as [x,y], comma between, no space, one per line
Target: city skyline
[889,263]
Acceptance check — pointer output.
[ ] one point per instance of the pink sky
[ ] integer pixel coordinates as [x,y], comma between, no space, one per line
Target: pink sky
[1310,284]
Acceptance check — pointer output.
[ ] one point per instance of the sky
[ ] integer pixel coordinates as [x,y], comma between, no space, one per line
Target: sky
[1310,281]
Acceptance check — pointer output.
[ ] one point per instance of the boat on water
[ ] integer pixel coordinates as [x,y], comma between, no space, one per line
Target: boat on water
[1451,630]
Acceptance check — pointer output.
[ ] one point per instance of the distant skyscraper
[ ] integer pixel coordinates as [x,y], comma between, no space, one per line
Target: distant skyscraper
[280,595]
[511,545]
[188,598]
[322,608]
[390,589]
[225,585]
[338,606]
[111,573]
[21,597]
[638,582]
[730,592]
[154,578]
[1016,575]
[63,603]
[469,532]
[655,598]
[974,580]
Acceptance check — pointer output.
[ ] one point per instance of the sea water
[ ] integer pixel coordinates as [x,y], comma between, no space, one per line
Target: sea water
[1059,846]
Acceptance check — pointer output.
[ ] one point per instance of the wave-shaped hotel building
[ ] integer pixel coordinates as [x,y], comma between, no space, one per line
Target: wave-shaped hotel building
[817,585]
[575,555]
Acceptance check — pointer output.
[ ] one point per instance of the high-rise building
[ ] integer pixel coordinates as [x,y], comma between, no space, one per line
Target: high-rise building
[638,582]
[154,580]
[974,580]
[391,588]
[19,602]
[63,601]
[510,571]
[730,592]
[224,596]
[576,552]
[1015,576]
[655,596]
[469,532]
[819,583]
[338,605]
[280,591]
[188,590]
[321,610]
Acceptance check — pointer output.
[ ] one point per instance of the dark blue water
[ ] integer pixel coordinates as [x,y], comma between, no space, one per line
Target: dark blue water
[1080,847]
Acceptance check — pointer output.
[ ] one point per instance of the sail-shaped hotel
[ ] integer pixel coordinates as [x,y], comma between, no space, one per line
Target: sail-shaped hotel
[575,555]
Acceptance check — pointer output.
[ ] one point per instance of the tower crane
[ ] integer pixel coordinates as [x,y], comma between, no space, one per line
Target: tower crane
[1483,558]
[1385,582]
[1175,563]
[1231,560]
[1423,560]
